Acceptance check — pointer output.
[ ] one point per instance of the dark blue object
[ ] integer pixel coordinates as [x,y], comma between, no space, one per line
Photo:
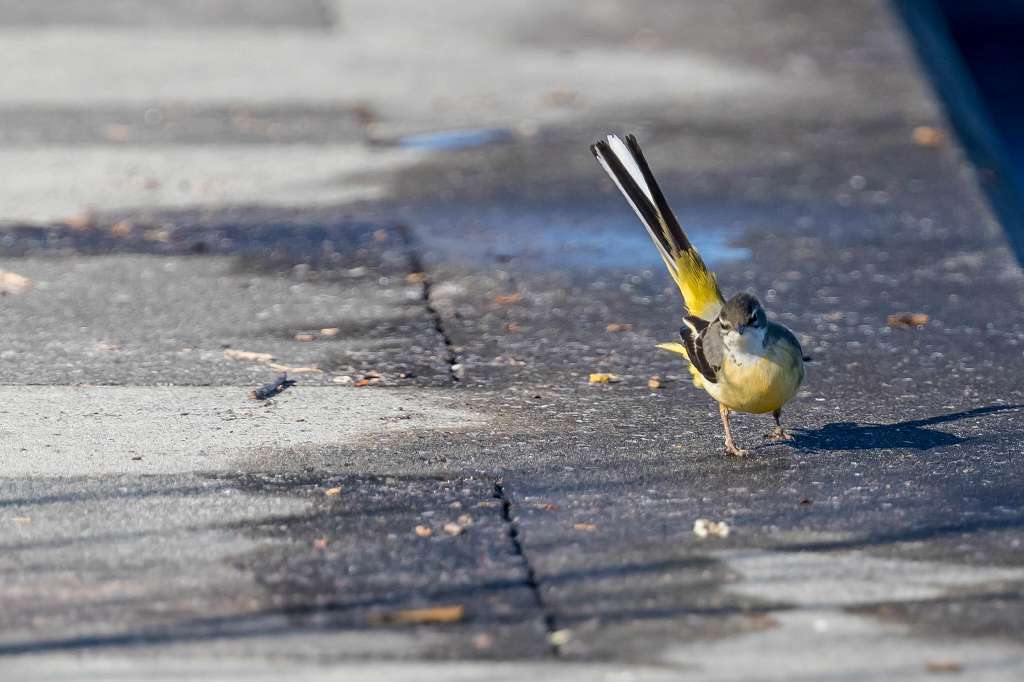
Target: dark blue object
[270,390]
[974,54]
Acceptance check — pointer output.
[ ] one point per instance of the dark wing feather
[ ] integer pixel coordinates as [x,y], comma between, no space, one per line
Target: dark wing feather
[693,339]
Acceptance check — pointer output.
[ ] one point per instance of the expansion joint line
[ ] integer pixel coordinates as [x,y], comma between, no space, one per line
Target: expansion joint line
[451,358]
[531,575]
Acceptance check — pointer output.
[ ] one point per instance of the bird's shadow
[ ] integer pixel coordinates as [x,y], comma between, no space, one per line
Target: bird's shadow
[912,435]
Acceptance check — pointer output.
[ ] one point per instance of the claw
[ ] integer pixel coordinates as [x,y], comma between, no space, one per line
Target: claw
[733,451]
[778,434]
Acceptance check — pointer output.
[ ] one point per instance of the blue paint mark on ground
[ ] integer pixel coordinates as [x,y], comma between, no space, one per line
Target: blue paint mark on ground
[454,139]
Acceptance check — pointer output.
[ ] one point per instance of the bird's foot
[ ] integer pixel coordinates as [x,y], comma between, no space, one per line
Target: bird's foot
[777,434]
[734,451]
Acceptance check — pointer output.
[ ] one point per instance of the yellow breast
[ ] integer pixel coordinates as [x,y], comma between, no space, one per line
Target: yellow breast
[759,384]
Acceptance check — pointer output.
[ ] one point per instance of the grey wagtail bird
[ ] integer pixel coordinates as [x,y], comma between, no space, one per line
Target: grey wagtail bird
[744,361]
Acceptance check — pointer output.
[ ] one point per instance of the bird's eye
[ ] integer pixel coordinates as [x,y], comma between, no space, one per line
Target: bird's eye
[724,324]
[753,319]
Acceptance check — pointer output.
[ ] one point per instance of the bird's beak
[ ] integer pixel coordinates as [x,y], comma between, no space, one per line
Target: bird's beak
[740,328]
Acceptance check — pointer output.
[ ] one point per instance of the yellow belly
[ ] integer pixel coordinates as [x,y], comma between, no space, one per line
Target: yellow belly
[758,386]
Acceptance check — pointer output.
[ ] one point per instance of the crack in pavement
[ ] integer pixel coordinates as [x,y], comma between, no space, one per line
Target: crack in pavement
[531,581]
[416,268]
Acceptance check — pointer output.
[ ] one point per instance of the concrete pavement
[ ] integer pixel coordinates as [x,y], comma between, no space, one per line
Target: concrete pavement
[472,287]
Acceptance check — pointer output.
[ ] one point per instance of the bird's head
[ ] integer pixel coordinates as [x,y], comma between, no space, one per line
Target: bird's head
[742,312]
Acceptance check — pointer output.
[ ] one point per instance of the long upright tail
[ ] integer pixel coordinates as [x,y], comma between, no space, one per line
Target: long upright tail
[626,165]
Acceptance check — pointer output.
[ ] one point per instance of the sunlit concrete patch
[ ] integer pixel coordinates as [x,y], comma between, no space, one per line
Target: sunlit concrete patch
[386,56]
[837,580]
[309,14]
[52,185]
[69,431]
[818,639]
[120,668]
[831,645]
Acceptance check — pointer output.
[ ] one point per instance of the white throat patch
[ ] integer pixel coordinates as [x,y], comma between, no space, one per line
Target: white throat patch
[746,348]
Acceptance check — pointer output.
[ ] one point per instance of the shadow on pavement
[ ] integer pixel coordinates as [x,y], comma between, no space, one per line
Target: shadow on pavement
[908,434]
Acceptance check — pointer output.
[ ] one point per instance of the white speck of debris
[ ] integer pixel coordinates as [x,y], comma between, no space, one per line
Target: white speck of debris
[560,637]
[13,283]
[704,528]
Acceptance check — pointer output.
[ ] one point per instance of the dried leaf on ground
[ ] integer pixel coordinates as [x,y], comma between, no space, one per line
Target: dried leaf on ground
[587,527]
[508,298]
[604,378]
[247,355]
[423,531]
[13,283]
[560,98]
[704,528]
[81,221]
[320,543]
[465,520]
[928,136]
[482,641]
[619,327]
[333,492]
[341,379]
[304,337]
[508,361]
[122,228]
[434,614]
[329,331]
[415,277]
[549,506]
[453,528]
[117,132]
[943,667]
[907,320]
[22,520]
[655,382]
[294,370]
[513,328]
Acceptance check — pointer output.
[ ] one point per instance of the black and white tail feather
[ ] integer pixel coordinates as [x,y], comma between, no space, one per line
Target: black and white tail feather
[625,164]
